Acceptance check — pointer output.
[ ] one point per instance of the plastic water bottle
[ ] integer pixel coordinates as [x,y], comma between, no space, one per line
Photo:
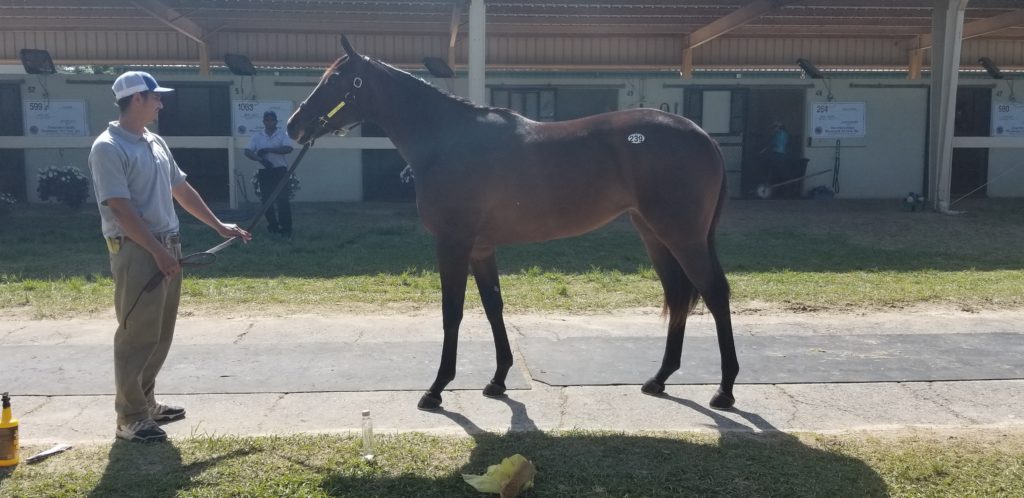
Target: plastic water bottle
[367,449]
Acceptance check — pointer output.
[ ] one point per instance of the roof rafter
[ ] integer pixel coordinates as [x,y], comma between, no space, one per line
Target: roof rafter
[731,21]
[973,29]
[721,26]
[181,24]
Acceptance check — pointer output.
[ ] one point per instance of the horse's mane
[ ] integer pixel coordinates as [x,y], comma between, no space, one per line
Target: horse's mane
[412,81]
[334,67]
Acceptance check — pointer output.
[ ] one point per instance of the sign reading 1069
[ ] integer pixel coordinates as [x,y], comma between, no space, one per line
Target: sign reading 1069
[838,120]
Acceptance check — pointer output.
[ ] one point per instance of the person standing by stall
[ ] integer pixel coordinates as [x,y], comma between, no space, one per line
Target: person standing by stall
[269,148]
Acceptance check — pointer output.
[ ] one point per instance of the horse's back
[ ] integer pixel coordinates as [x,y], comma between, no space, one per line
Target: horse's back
[639,143]
[565,178]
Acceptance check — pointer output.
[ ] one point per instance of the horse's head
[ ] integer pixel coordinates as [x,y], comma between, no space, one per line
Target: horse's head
[334,104]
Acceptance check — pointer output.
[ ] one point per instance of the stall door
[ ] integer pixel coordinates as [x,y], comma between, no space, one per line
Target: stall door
[12,161]
[199,110]
[970,166]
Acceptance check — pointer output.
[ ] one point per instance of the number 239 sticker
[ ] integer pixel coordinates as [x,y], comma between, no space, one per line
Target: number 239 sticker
[635,138]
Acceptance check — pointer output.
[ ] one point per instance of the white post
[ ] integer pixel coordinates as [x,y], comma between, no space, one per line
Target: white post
[232,194]
[477,51]
[947,33]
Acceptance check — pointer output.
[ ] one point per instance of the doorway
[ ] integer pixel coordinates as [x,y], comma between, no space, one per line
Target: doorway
[382,172]
[765,107]
[12,161]
[200,110]
[970,166]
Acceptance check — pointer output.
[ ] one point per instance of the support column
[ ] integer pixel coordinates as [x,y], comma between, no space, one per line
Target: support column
[947,30]
[686,67]
[477,51]
[916,60]
[204,59]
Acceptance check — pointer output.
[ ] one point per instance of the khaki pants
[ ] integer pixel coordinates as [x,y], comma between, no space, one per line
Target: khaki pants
[142,341]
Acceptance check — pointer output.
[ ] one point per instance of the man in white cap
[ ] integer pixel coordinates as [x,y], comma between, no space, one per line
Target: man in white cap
[135,179]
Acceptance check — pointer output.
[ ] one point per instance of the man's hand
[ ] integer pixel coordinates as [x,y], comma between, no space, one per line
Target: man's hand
[167,263]
[229,230]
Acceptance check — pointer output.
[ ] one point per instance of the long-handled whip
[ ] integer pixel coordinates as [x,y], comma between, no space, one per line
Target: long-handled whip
[208,256]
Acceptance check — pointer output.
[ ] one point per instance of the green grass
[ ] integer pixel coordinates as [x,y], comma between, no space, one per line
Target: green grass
[573,463]
[799,255]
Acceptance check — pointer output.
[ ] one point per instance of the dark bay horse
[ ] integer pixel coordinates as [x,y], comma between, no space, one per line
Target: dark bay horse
[487,177]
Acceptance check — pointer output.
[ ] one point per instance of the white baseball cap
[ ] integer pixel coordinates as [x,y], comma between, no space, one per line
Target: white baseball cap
[133,82]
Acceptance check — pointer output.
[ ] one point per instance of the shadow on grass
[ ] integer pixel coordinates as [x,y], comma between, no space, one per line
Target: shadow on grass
[156,469]
[746,460]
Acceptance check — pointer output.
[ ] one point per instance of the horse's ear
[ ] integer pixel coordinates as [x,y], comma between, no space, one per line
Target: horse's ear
[348,48]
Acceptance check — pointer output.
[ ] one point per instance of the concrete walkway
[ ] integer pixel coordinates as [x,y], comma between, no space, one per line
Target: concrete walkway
[280,375]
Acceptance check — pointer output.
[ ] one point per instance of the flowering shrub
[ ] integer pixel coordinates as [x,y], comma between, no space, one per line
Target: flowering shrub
[65,185]
[293,185]
[7,202]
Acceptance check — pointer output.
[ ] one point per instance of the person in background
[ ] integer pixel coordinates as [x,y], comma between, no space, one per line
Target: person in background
[775,153]
[269,148]
[136,182]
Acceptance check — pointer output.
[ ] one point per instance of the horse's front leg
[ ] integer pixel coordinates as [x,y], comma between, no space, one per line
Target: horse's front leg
[485,271]
[453,265]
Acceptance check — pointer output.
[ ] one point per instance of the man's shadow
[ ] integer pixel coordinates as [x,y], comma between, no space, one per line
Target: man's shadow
[151,469]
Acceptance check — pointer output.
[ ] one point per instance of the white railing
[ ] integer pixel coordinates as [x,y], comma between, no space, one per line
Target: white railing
[231,144]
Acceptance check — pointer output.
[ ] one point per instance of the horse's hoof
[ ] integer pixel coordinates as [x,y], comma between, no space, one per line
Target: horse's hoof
[430,402]
[653,388]
[722,401]
[494,390]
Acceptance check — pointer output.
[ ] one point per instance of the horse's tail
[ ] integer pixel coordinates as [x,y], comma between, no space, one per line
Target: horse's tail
[686,302]
[722,194]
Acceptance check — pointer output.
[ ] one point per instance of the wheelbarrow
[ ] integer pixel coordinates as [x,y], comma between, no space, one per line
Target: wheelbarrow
[765,190]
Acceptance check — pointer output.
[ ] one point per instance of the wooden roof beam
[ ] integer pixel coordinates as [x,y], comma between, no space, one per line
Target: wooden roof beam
[453,31]
[181,24]
[973,29]
[721,26]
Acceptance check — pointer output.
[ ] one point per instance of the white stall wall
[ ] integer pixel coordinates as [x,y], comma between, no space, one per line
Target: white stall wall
[1005,166]
[325,175]
[891,159]
[887,163]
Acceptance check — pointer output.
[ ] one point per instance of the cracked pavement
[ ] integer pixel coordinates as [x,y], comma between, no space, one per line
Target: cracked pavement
[819,407]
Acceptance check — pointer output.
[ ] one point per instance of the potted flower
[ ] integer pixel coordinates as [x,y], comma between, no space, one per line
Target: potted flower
[65,185]
[7,202]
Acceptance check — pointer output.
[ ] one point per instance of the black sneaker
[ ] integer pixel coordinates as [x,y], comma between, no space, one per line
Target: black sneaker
[142,431]
[166,413]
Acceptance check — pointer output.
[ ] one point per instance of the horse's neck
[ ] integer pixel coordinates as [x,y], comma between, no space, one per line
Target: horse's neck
[416,117]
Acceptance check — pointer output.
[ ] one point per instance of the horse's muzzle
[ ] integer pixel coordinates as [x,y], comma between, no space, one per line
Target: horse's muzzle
[304,134]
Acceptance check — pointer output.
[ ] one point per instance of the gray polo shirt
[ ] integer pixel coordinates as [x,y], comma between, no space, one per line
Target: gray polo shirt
[139,168]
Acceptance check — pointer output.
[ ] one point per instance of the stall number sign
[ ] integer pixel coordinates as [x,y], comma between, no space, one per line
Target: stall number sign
[1007,119]
[247,115]
[55,118]
[837,120]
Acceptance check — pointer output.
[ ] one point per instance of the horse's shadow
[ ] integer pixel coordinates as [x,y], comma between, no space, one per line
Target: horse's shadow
[746,460]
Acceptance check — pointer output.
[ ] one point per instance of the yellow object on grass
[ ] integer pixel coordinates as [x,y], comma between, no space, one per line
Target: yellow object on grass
[513,475]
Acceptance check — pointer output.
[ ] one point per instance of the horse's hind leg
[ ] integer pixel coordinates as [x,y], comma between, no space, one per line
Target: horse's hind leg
[680,296]
[485,271]
[700,262]
[453,265]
